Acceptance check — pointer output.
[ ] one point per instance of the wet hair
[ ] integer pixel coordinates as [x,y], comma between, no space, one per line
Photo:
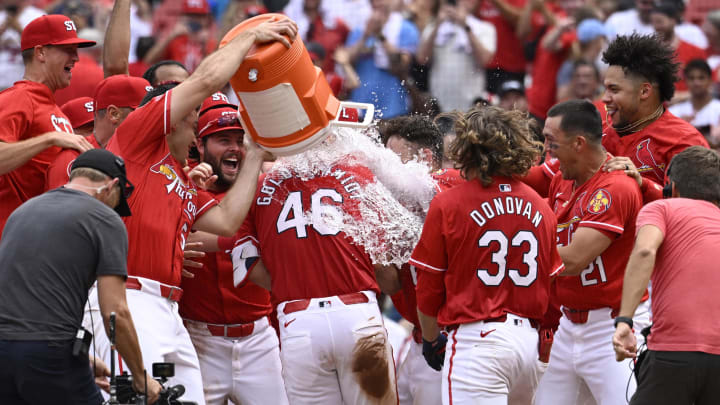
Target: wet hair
[494,142]
[157,91]
[646,57]
[418,130]
[696,173]
[151,73]
[697,64]
[579,117]
[445,123]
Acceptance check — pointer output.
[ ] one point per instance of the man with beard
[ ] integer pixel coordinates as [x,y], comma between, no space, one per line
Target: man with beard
[229,326]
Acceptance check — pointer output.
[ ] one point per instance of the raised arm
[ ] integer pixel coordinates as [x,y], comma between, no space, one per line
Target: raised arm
[216,69]
[16,154]
[116,50]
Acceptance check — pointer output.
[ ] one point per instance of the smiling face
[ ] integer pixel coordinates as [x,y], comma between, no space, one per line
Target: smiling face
[664,25]
[224,152]
[584,82]
[621,97]
[58,61]
[561,147]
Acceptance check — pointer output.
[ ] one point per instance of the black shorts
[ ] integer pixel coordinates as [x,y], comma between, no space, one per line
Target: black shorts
[45,372]
[678,378]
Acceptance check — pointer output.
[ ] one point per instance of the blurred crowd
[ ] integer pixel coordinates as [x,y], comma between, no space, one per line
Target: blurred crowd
[414,56]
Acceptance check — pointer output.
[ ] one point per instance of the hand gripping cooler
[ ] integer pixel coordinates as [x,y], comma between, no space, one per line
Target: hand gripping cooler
[286,103]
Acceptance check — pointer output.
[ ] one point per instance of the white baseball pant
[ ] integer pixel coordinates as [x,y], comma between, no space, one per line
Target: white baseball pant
[583,353]
[161,334]
[332,352]
[245,370]
[418,383]
[491,363]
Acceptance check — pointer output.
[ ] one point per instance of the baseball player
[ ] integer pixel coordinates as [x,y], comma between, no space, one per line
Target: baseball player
[114,99]
[410,138]
[485,260]
[596,214]
[641,132]
[34,128]
[80,113]
[334,346]
[154,141]
[229,326]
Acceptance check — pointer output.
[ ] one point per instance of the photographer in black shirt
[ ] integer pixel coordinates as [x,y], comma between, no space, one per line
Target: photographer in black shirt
[54,247]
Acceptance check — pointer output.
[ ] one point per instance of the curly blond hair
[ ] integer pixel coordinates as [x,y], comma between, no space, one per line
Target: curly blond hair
[494,142]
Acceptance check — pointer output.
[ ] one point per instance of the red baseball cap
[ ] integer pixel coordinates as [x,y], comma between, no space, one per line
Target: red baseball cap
[195,7]
[218,119]
[52,29]
[120,91]
[80,111]
[216,100]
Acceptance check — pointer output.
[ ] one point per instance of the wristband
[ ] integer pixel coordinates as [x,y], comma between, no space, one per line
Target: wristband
[623,319]
[381,38]
[467,28]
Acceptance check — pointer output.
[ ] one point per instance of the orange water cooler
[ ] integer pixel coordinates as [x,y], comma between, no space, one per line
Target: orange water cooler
[286,104]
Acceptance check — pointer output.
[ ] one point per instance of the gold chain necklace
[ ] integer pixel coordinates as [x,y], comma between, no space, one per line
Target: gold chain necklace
[633,127]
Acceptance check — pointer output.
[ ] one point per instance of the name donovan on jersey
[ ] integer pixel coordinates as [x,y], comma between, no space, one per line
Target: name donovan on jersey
[506,206]
[267,190]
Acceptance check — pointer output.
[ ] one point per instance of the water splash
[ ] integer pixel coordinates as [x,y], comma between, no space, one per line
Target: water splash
[390,211]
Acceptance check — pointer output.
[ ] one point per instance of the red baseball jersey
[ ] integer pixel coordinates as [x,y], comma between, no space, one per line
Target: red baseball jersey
[211,296]
[609,203]
[306,256]
[494,248]
[58,173]
[405,301]
[652,148]
[28,110]
[165,203]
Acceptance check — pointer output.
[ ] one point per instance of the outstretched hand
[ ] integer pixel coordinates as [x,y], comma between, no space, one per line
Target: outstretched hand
[624,342]
[625,164]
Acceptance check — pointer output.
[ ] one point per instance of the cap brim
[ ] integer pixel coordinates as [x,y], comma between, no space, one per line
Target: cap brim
[80,42]
[215,130]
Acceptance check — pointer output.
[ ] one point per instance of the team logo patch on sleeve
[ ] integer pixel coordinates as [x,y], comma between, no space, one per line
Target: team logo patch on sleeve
[600,201]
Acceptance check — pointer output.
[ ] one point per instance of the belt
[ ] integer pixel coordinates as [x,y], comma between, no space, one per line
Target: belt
[500,319]
[171,293]
[347,299]
[580,316]
[231,331]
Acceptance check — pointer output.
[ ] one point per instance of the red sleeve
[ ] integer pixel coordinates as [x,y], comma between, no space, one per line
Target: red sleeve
[651,191]
[653,214]
[540,177]
[609,207]
[16,117]
[430,292]
[205,202]
[143,131]
[58,172]
[430,253]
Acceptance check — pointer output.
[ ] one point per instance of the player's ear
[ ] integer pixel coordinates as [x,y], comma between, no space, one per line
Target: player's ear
[645,90]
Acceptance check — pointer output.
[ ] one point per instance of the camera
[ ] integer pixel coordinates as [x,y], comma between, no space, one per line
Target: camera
[161,372]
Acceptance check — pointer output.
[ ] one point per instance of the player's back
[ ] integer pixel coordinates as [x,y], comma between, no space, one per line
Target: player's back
[298,225]
[497,238]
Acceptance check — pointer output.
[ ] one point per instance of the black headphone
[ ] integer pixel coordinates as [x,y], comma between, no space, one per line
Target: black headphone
[667,188]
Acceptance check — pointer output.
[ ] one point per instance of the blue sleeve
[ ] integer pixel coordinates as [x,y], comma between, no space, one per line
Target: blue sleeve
[354,36]
[409,37]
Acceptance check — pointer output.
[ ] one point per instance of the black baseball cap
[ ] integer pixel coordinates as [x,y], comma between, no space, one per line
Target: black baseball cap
[112,165]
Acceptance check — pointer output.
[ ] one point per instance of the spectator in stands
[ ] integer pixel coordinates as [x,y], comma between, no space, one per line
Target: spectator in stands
[137,68]
[508,62]
[34,128]
[663,18]
[585,83]
[711,28]
[687,31]
[191,38]
[355,13]
[512,96]
[340,85]
[80,113]
[316,26]
[16,14]
[380,52]
[591,41]
[636,19]
[676,249]
[457,46]
[702,110]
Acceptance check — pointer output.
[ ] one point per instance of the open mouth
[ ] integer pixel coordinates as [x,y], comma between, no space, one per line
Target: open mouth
[230,164]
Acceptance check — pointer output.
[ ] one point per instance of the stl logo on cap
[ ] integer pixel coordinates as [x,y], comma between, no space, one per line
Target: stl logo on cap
[600,202]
